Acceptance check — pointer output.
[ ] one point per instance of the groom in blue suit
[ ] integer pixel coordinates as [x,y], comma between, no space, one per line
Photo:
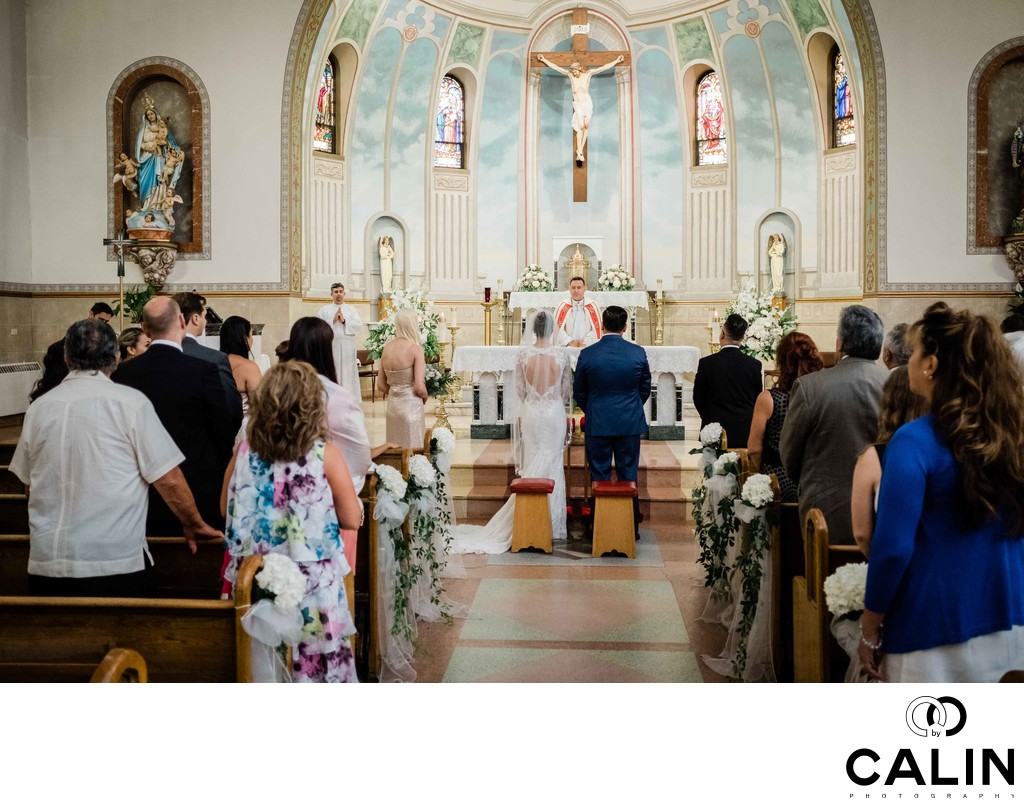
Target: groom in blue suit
[613,380]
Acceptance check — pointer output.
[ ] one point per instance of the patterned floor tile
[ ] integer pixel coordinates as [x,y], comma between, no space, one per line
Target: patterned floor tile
[559,665]
[647,555]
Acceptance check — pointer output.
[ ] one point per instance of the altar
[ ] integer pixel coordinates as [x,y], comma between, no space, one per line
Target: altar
[492,368]
[528,302]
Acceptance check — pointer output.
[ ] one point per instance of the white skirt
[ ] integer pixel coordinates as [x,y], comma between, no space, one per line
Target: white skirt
[981,659]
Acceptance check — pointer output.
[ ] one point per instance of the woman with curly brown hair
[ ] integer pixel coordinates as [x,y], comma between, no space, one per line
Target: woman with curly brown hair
[946,574]
[796,356]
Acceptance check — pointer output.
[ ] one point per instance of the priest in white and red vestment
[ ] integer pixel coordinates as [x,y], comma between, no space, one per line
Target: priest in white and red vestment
[578,320]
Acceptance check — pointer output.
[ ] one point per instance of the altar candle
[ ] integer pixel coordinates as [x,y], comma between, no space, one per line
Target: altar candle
[442,316]
[716,315]
[487,294]
[660,293]
[455,317]
[711,319]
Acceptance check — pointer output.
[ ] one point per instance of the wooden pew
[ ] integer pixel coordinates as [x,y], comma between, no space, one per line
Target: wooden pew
[13,513]
[181,639]
[816,655]
[787,563]
[121,665]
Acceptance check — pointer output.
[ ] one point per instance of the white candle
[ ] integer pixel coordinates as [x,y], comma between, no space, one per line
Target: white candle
[455,317]
[711,321]
[501,282]
[442,316]
[660,292]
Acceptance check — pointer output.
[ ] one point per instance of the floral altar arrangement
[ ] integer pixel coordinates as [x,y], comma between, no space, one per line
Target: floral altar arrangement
[534,279]
[615,279]
[275,622]
[385,330]
[844,597]
[766,325]
[440,380]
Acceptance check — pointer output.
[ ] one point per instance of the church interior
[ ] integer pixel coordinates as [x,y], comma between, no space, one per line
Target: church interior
[407,146]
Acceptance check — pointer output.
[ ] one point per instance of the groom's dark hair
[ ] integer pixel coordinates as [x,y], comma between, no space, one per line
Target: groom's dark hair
[614,319]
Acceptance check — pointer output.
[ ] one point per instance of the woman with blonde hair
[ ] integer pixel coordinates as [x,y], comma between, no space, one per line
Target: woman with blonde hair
[132,342]
[288,491]
[401,382]
[945,588]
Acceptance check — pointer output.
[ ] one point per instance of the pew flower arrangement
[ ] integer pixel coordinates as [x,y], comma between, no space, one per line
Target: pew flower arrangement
[844,597]
[385,330]
[391,509]
[275,622]
[752,511]
[766,325]
[615,279]
[426,510]
[442,444]
[534,279]
[282,577]
[716,522]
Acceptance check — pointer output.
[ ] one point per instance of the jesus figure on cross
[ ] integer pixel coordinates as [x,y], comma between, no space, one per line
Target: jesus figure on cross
[582,103]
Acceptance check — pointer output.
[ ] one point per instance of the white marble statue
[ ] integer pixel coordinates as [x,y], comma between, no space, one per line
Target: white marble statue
[777,261]
[386,248]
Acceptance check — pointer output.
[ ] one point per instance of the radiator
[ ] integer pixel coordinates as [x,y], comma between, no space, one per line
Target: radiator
[16,382]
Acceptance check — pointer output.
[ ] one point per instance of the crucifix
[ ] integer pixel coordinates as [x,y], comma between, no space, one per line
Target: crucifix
[579,65]
[119,244]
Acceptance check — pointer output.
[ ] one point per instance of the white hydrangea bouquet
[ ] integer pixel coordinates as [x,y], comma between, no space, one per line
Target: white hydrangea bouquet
[844,597]
[615,279]
[429,320]
[766,325]
[275,622]
[534,279]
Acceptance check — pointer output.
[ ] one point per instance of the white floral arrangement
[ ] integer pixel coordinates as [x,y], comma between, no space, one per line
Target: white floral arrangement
[445,439]
[534,279]
[766,325]
[282,577]
[711,436]
[421,472]
[722,463]
[757,490]
[391,481]
[384,331]
[615,279]
[844,589]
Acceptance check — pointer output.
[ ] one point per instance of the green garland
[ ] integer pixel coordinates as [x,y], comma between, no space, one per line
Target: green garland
[749,565]
[424,525]
[715,539]
[407,574]
[443,524]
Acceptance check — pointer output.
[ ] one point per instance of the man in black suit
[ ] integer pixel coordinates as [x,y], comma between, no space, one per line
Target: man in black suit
[189,400]
[727,384]
[193,309]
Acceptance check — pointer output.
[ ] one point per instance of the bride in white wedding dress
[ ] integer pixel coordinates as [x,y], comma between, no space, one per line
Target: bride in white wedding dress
[539,433]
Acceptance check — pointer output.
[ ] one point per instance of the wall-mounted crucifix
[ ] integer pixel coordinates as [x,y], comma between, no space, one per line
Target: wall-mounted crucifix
[579,65]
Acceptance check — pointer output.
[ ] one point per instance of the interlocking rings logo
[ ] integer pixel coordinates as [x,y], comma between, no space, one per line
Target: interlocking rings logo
[930,717]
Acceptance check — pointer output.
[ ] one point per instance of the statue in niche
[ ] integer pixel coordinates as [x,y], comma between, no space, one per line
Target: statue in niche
[582,103]
[386,249]
[777,261]
[1017,161]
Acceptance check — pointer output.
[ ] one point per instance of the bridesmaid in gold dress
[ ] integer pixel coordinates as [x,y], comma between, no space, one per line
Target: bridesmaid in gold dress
[401,382]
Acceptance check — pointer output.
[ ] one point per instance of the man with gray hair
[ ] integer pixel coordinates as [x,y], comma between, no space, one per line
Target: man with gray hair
[833,415]
[896,351]
[88,452]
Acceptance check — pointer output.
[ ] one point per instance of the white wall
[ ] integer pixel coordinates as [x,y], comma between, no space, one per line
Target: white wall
[931,48]
[76,51]
[15,243]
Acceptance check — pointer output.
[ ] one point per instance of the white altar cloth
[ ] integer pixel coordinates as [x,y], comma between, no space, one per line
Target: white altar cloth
[502,358]
[528,301]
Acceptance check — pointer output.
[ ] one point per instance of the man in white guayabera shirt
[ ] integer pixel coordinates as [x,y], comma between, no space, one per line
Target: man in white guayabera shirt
[344,319]
[88,452]
[577,319]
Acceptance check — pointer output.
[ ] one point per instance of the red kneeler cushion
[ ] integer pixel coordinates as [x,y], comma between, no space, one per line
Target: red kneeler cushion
[533,485]
[613,488]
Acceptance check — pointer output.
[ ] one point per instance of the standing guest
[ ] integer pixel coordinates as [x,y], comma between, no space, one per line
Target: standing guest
[88,484]
[99,311]
[833,415]
[728,383]
[193,309]
[345,324]
[54,371]
[1013,329]
[281,351]
[796,356]
[900,405]
[288,491]
[612,382]
[896,348]
[577,319]
[401,382]
[236,342]
[946,573]
[132,342]
[189,400]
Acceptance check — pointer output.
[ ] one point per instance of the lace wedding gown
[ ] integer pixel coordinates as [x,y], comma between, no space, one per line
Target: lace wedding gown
[543,386]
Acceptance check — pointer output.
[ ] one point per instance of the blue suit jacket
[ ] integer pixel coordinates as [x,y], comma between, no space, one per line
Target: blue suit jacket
[613,380]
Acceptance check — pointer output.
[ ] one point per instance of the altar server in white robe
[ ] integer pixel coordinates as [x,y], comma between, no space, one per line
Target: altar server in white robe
[344,319]
[578,320]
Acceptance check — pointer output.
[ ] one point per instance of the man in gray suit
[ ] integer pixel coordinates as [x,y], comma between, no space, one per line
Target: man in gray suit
[833,416]
[193,309]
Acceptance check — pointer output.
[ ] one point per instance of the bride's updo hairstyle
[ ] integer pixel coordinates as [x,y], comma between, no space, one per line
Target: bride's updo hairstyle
[978,407]
[543,325]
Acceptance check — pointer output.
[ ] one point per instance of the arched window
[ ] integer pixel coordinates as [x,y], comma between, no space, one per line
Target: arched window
[450,130]
[844,131]
[323,137]
[710,122]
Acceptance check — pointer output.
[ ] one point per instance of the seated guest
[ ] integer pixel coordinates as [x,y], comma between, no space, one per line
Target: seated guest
[1013,329]
[896,348]
[236,342]
[946,574]
[54,371]
[796,356]
[833,415]
[727,384]
[88,485]
[288,492]
[401,382]
[193,309]
[132,342]
[900,405]
[189,400]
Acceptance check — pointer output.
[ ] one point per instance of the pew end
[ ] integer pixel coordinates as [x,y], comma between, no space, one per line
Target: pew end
[121,665]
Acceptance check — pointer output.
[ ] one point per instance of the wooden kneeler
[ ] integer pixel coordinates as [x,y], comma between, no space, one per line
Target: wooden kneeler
[613,518]
[531,526]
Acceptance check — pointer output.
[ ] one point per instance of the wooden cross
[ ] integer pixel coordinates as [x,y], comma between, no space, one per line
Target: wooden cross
[119,244]
[586,61]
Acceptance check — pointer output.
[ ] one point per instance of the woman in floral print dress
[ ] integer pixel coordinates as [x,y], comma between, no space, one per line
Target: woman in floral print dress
[288,491]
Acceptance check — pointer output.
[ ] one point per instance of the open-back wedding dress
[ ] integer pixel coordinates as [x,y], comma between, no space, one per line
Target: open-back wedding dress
[539,431]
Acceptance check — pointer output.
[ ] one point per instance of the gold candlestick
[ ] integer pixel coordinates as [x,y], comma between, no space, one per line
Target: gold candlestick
[501,317]
[487,321]
[659,318]
[713,345]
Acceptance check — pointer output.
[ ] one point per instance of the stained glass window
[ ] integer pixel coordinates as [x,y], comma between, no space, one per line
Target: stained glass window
[710,122]
[450,131]
[323,138]
[843,128]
